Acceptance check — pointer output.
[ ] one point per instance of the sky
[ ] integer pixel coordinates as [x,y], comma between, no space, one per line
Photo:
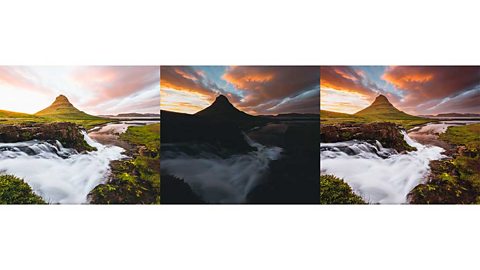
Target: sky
[96,90]
[252,89]
[418,90]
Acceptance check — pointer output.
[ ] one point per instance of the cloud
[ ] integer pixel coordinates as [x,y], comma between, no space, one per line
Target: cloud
[432,82]
[348,79]
[276,89]
[116,82]
[262,84]
[22,77]
[254,89]
[188,79]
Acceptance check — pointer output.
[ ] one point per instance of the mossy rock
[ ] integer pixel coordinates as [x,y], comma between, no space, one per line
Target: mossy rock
[14,190]
[334,190]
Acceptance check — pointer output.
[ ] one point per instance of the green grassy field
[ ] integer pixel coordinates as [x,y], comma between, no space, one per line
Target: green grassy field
[148,135]
[328,118]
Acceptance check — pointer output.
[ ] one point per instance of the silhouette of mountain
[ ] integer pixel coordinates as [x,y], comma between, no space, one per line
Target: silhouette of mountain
[222,109]
[62,108]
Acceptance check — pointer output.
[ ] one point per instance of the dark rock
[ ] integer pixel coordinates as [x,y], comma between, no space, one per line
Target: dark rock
[68,134]
[388,134]
[176,191]
[185,128]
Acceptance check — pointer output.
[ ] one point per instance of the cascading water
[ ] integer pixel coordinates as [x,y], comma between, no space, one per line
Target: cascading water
[378,174]
[58,174]
[217,179]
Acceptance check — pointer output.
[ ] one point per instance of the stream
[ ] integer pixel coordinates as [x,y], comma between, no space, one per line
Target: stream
[62,175]
[381,175]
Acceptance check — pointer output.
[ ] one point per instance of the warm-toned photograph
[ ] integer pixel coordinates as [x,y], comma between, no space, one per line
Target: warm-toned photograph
[400,135]
[79,135]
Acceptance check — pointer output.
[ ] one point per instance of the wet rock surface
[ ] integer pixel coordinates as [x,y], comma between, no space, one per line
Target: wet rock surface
[388,134]
[68,134]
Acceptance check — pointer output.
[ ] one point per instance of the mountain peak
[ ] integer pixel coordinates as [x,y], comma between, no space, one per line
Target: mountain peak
[221,98]
[381,99]
[61,99]
[381,108]
[222,108]
[62,108]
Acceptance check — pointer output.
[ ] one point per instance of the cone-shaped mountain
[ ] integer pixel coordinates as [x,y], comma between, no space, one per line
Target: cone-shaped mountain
[222,109]
[381,108]
[62,108]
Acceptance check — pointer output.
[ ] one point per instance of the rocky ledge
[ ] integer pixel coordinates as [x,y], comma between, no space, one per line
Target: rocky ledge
[388,134]
[68,134]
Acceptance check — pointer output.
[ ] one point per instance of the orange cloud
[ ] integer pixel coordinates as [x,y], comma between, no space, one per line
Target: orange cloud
[346,79]
[272,84]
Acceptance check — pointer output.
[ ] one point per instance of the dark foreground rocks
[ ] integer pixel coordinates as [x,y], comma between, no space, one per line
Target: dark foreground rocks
[185,128]
[68,134]
[388,134]
[176,191]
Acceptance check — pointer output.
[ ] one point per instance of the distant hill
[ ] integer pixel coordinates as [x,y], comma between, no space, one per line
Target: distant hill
[330,114]
[63,109]
[9,114]
[138,115]
[221,109]
[458,115]
[381,108]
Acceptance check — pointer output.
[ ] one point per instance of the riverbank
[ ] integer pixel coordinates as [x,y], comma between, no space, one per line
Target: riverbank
[455,180]
[451,157]
[76,162]
[135,180]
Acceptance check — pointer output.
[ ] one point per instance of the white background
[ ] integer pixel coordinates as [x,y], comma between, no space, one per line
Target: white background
[242,32]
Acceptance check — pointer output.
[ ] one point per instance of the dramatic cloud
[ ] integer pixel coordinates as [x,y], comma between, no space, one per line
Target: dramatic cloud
[263,84]
[422,84]
[254,89]
[347,79]
[96,90]
[414,89]
[116,82]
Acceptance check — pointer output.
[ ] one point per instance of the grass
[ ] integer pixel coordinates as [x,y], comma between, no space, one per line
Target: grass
[405,123]
[85,123]
[456,180]
[14,190]
[468,135]
[334,190]
[148,136]
[135,181]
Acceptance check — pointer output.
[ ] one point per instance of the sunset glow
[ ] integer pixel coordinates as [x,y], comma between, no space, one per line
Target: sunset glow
[413,89]
[253,89]
[96,90]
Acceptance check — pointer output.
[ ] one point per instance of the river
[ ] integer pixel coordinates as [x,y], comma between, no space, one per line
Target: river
[381,175]
[61,175]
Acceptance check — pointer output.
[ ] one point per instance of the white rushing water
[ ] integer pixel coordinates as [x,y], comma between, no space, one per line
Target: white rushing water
[378,174]
[221,180]
[58,174]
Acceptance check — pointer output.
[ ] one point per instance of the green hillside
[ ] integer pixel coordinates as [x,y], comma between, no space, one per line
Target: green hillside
[61,108]
[9,114]
[330,114]
[381,108]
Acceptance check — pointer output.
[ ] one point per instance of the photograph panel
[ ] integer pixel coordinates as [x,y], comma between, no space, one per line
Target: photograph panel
[79,135]
[400,134]
[240,134]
